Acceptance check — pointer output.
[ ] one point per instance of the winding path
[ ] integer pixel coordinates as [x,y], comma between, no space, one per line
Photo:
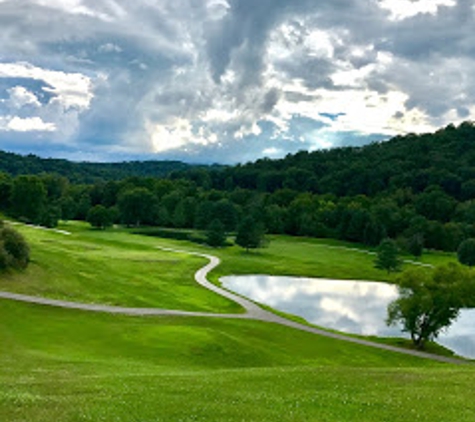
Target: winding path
[252,311]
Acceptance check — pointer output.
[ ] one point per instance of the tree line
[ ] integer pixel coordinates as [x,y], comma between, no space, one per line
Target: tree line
[86,172]
[417,189]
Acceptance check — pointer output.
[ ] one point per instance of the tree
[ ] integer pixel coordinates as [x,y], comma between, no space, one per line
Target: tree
[50,216]
[68,208]
[429,301]
[14,251]
[215,235]
[250,234]
[466,252]
[415,245]
[5,190]
[100,217]
[387,256]
[28,198]
[435,204]
[136,206]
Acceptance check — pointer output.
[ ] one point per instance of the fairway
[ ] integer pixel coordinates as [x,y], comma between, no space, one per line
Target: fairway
[71,365]
[305,257]
[74,366]
[112,268]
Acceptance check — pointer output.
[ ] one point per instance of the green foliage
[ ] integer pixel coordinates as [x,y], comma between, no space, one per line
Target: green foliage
[16,164]
[50,216]
[14,251]
[28,198]
[136,206]
[216,235]
[5,191]
[100,217]
[466,252]
[387,257]
[415,245]
[414,185]
[429,301]
[250,234]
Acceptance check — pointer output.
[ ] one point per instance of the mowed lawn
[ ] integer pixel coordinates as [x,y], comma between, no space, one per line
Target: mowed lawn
[307,257]
[113,268]
[67,365]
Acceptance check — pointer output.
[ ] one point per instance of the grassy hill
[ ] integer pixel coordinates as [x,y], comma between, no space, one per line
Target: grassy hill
[69,365]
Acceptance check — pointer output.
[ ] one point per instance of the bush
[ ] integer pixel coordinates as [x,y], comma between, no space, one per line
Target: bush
[466,252]
[14,251]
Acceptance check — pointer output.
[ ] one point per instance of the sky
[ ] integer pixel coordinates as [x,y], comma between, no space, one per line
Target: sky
[228,81]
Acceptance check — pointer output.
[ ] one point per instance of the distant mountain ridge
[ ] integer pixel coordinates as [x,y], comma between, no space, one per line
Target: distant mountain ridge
[87,172]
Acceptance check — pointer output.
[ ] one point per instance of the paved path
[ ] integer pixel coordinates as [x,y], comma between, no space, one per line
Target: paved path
[252,311]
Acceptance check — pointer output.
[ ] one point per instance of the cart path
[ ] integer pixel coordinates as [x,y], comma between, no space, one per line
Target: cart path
[252,311]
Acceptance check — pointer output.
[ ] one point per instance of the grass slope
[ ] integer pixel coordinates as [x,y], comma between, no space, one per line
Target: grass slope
[112,268]
[66,365]
[306,257]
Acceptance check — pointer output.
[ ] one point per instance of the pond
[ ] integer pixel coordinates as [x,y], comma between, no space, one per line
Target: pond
[357,307]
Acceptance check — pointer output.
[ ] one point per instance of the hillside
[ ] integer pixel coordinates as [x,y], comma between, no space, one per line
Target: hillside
[86,172]
[418,189]
[445,158]
[70,365]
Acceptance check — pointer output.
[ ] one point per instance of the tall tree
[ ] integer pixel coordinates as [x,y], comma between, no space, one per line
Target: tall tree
[136,206]
[429,301]
[415,245]
[100,217]
[250,234]
[387,257]
[28,198]
[216,235]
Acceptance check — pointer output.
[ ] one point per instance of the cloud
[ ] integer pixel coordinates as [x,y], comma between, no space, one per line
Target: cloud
[109,48]
[230,80]
[18,124]
[72,90]
[21,97]
[403,9]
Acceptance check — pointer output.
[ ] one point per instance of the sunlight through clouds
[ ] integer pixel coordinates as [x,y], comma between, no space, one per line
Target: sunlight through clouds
[189,80]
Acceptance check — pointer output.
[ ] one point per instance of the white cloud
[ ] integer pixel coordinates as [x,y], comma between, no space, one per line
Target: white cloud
[272,152]
[402,9]
[217,9]
[72,90]
[176,134]
[20,97]
[74,7]
[30,124]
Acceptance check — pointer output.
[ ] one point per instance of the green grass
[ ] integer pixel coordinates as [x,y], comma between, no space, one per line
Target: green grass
[118,268]
[66,365]
[306,257]
[111,267]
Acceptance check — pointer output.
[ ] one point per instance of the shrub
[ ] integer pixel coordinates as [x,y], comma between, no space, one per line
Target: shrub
[14,251]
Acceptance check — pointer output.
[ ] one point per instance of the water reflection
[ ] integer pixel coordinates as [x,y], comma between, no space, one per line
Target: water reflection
[357,307]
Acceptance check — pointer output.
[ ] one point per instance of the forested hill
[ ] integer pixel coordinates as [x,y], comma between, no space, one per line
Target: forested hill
[85,172]
[418,189]
[445,158]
